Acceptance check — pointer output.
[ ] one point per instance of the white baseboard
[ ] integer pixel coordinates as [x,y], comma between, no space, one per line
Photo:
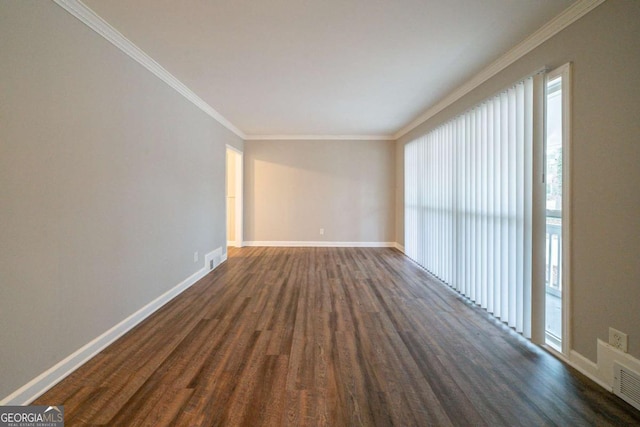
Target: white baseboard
[607,356]
[399,247]
[305,244]
[215,258]
[587,368]
[601,372]
[52,376]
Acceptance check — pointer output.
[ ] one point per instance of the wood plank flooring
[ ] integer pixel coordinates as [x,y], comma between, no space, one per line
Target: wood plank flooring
[327,337]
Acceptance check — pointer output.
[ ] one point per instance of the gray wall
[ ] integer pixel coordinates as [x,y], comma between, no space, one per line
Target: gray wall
[109,182]
[604,47]
[294,188]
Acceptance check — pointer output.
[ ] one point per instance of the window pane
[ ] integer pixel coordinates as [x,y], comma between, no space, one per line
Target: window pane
[553,247]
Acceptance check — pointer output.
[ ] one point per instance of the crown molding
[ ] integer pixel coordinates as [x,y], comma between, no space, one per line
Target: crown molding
[88,17]
[574,12]
[102,27]
[319,137]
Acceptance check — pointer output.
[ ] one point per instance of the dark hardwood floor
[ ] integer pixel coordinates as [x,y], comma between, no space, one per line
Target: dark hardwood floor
[328,336]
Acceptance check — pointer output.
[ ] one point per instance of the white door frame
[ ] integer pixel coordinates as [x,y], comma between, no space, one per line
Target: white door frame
[565,72]
[239,217]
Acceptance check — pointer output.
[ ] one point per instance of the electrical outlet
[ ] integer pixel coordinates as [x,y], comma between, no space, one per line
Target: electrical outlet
[321,231]
[618,339]
[195,256]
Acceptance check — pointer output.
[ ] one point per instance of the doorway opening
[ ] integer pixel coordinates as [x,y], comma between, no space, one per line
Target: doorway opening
[234,196]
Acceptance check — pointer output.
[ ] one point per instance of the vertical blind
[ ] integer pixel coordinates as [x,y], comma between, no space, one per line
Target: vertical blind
[468,203]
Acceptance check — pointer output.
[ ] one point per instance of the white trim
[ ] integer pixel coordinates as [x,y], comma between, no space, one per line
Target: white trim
[567,213]
[544,33]
[557,24]
[305,244]
[320,137]
[399,247]
[601,372]
[234,149]
[608,356]
[239,211]
[217,256]
[239,197]
[102,27]
[564,72]
[581,364]
[587,368]
[52,376]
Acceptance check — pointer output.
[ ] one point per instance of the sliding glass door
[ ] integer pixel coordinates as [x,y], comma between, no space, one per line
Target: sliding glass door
[556,164]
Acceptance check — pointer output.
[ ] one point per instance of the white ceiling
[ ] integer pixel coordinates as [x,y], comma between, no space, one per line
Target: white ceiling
[325,67]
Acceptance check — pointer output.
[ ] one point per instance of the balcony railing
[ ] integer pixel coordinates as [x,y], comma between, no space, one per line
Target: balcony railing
[553,276]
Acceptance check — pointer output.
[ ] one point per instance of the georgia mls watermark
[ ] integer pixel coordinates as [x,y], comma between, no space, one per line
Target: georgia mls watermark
[32,416]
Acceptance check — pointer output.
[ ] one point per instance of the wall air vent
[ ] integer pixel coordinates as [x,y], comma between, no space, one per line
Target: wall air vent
[626,384]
